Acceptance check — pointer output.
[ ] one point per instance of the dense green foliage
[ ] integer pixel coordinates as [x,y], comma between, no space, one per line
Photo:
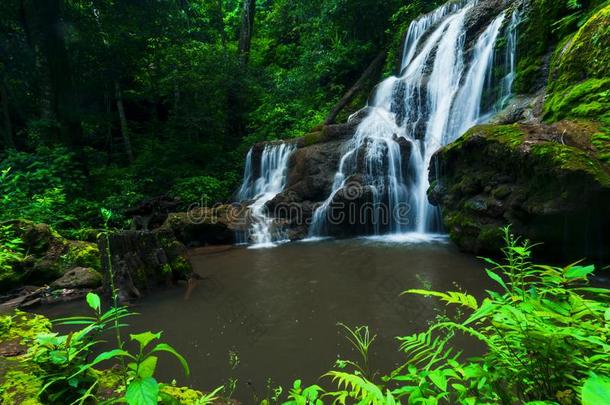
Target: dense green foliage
[545,337]
[546,24]
[106,103]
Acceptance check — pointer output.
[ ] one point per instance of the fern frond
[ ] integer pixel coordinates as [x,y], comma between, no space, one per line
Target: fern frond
[359,388]
[451,297]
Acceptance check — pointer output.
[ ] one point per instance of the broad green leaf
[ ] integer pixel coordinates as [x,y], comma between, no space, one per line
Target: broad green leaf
[579,272]
[541,403]
[93,300]
[164,347]
[497,279]
[147,367]
[596,390]
[438,378]
[103,357]
[142,392]
[145,338]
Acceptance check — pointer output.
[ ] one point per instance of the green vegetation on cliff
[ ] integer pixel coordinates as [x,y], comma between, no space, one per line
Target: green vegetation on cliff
[579,82]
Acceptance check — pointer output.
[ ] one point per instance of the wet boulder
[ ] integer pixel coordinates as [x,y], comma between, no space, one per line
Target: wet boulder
[136,261]
[478,18]
[550,182]
[79,277]
[208,226]
[311,171]
[41,255]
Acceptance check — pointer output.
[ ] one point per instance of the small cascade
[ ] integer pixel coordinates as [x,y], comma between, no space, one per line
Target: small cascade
[419,27]
[262,182]
[437,98]
[510,57]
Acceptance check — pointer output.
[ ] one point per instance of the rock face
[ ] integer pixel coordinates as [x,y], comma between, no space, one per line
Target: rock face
[551,181]
[547,181]
[46,255]
[311,171]
[79,277]
[207,226]
[579,82]
[139,260]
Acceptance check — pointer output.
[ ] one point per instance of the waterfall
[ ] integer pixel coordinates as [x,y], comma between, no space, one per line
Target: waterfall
[510,58]
[271,180]
[436,99]
[419,27]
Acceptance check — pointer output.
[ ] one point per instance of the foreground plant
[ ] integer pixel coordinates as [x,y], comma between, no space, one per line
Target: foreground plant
[544,335]
[68,373]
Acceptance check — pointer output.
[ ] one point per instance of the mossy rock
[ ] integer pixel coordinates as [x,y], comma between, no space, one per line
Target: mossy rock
[550,181]
[19,386]
[47,256]
[579,82]
[82,254]
[19,379]
[312,138]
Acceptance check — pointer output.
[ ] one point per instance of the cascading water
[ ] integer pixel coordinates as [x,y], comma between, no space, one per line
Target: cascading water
[436,98]
[510,59]
[270,182]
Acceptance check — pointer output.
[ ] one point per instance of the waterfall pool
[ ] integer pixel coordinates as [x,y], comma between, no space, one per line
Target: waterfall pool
[279,308]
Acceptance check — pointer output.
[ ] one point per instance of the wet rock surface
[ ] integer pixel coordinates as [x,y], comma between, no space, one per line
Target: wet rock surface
[545,180]
[79,277]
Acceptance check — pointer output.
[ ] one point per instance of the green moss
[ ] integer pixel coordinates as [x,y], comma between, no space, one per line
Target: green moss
[536,35]
[491,237]
[588,99]
[313,138]
[511,135]
[182,395]
[19,381]
[180,266]
[579,83]
[23,326]
[20,388]
[601,143]
[82,254]
[573,159]
[528,74]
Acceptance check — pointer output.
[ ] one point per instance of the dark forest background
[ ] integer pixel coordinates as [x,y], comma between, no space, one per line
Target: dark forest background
[106,103]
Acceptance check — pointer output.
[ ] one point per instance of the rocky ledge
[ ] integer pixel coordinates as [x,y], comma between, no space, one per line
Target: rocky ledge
[549,181]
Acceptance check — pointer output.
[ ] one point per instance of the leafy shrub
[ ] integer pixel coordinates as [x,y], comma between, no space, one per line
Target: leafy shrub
[11,251]
[545,336]
[205,190]
[37,186]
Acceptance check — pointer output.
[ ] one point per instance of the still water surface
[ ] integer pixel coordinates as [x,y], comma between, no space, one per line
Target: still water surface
[279,308]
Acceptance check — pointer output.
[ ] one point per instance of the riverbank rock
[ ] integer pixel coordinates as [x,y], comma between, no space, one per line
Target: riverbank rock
[139,260]
[549,181]
[40,255]
[208,226]
[79,277]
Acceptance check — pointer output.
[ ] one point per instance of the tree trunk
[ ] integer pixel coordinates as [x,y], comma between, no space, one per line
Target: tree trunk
[43,22]
[123,121]
[9,142]
[356,88]
[221,24]
[247,29]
